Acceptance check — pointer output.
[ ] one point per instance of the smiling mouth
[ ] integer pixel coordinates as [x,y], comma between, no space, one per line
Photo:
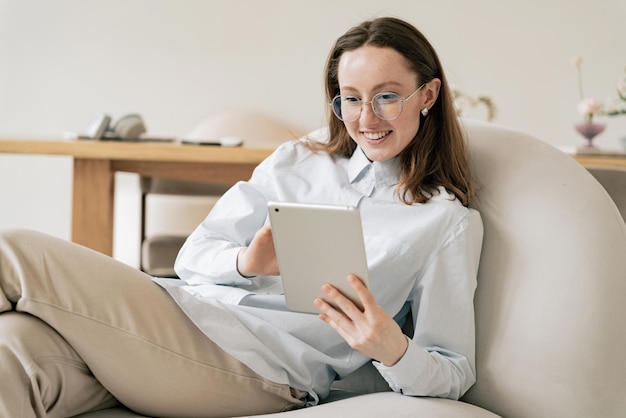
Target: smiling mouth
[375,136]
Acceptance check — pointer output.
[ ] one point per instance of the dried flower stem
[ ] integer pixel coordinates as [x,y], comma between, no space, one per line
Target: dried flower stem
[577,61]
[580,81]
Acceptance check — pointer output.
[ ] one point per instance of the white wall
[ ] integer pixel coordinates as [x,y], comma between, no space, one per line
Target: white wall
[177,61]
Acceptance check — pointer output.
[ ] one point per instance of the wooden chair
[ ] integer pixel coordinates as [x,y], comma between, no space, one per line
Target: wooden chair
[159,250]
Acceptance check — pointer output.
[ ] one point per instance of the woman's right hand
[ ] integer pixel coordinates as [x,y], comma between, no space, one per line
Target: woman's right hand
[259,258]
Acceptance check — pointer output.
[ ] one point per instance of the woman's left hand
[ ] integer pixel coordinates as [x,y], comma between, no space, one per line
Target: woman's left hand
[370,330]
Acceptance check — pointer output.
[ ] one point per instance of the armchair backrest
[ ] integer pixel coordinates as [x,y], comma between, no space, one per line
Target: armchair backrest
[551,297]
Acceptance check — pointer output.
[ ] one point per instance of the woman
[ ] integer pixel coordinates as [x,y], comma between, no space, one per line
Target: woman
[72,342]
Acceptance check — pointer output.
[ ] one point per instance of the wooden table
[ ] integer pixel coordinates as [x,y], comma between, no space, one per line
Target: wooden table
[609,159]
[96,162]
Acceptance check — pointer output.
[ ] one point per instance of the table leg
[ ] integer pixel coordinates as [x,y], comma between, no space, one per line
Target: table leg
[92,204]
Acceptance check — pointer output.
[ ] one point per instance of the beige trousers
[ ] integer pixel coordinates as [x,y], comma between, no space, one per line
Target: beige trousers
[80,331]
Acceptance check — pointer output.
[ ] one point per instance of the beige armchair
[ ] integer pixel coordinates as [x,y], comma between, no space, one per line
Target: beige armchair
[551,298]
[160,244]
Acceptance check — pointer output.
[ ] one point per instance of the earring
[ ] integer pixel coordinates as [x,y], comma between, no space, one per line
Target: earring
[425,112]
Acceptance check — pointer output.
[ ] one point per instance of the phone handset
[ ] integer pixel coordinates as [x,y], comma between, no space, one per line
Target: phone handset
[98,125]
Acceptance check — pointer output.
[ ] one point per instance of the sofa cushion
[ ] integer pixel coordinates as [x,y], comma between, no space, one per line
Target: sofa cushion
[375,405]
[550,305]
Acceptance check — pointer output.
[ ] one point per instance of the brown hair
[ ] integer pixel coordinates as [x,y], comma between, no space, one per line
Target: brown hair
[436,156]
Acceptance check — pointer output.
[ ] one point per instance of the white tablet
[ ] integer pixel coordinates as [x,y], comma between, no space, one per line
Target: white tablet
[317,244]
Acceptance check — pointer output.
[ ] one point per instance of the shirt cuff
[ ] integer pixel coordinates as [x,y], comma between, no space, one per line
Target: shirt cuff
[223,271]
[402,375]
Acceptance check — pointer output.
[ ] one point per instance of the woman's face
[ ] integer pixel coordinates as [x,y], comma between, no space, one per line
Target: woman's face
[367,71]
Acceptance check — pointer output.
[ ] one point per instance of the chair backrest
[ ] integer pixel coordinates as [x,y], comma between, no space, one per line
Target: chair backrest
[159,249]
[257,130]
[551,297]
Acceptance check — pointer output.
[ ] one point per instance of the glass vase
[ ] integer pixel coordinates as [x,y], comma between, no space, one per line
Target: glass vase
[589,130]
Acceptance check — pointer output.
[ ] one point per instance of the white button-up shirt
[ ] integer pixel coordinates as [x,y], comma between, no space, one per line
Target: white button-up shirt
[423,257]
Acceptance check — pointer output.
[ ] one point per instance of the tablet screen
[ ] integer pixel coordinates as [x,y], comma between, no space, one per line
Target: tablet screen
[317,244]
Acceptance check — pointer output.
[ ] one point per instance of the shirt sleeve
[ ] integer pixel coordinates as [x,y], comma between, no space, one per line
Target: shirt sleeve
[439,361]
[209,255]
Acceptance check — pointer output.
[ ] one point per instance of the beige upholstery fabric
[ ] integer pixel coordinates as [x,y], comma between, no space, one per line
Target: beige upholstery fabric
[378,405]
[550,301]
[550,304]
[254,128]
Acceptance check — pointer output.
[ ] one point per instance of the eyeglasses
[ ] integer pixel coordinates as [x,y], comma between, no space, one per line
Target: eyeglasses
[385,105]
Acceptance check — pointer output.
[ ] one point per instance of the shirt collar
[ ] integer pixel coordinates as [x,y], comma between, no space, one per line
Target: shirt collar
[386,173]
